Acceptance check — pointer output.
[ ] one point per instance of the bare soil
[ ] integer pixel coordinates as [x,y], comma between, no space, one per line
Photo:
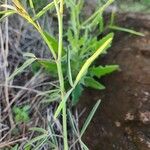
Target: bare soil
[122,122]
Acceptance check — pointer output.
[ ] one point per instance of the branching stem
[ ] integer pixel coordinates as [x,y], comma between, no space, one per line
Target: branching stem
[59,68]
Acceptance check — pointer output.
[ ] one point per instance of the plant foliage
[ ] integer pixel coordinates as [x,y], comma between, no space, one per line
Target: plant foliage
[73,52]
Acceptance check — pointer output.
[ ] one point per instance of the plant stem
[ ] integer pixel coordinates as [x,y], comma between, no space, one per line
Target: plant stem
[59,68]
[65,128]
[99,11]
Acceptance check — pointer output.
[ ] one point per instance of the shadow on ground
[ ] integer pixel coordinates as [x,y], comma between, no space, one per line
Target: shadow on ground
[122,122]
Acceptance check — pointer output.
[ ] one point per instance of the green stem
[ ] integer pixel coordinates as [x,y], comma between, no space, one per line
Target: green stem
[65,128]
[59,68]
[99,11]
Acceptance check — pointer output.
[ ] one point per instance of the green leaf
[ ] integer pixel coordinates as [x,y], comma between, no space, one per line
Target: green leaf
[93,44]
[98,12]
[69,69]
[146,2]
[90,60]
[44,10]
[103,40]
[53,97]
[24,116]
[89,118]
[4,14]
[72,123]
[18,118]
[95,22]
[28,147]
[91,82]
[62,103]
[16,110]
[26,108]
[102,71]
[20,69]
[31,55]
[31,4]
[71,40]
[51,130]
[15,147]
[36,139]
[53,42]
[40,144]
[49,65]
[35,67]
[21,114]
[76,94]
[101,24]
[38,130]
[114,27]
[84,146]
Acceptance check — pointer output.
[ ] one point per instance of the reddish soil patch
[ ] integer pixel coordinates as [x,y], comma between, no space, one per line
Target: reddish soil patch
[123,120]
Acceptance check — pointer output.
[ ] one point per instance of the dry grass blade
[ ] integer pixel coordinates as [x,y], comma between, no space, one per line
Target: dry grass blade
[7,144]
[20,69]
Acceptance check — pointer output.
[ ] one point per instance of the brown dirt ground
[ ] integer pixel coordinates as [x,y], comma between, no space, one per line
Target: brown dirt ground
[122,122]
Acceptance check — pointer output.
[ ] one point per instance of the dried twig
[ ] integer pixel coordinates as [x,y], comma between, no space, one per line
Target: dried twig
[4,52]
[4,144]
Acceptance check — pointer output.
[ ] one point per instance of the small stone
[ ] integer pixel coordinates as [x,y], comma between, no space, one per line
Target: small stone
[146,93]
[141,139]
[145,117]
[129,116]
[118,124]
[144,99]
[148,144]
[136,94]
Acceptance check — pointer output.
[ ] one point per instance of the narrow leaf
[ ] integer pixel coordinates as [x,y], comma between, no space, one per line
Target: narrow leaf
[44,10]
[89,118]
[72,123]
[47,39]
[90,60]
[69,69]
[38,138]
[62,103]
[38,130]
[84,146]
[52,41]
[6,14]
[91,82]
[29,55]
[103,40]
[40,144]
[126,30]
[20,69]
[98,12]
[76,94]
